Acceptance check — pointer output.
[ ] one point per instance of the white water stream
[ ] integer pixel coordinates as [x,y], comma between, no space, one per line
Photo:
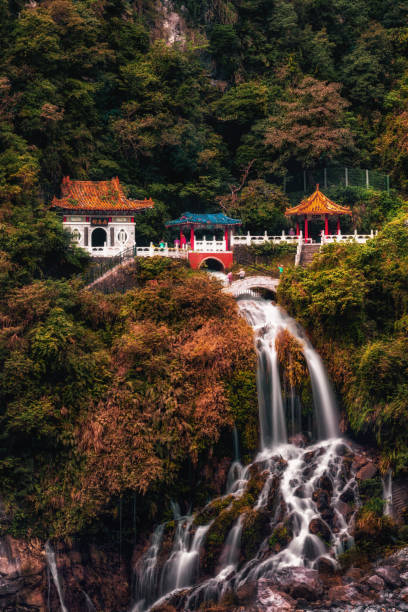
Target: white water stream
[50,556]
[311,482]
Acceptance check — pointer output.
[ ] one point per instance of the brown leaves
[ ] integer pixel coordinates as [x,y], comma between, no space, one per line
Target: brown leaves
[291,358]
[309,124]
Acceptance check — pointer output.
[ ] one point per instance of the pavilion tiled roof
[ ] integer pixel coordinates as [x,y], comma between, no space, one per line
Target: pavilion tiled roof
[97,195]
[318,204]
[203,221]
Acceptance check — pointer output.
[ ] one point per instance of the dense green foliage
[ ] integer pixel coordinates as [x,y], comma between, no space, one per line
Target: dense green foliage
[354,302]
[103,398]
[93,89]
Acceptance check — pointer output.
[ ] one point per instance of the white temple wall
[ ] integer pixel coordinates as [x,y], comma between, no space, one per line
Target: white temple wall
[119,235]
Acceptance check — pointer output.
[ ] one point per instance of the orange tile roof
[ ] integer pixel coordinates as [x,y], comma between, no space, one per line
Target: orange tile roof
[318,204]
[96,195]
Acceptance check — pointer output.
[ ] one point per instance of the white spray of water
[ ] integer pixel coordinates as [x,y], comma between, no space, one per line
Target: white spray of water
[50,556]
[387,494]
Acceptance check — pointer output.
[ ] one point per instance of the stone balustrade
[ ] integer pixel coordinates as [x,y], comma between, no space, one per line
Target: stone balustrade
[248,240]
[356,237]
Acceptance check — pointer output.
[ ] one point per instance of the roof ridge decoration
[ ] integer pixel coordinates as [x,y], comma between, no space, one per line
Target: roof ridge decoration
[97,195]
[318,204]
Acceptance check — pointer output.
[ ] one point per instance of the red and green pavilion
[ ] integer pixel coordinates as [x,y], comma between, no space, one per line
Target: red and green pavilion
[190,222]
[317,206]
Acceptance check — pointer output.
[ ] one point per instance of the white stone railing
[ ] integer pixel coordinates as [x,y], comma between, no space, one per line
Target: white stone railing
[166,251]
[249,240]
[356,237]
[209,246]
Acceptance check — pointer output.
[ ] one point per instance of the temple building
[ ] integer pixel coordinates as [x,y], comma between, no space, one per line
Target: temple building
[317,206]
[98,215]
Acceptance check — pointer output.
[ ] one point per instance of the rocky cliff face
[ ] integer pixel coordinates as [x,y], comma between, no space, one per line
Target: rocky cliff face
[83,578]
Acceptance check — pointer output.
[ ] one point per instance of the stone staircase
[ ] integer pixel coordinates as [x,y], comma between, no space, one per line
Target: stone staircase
[308,252]
[399,498]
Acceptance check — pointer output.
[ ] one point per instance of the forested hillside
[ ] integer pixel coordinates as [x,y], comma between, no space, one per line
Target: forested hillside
[97,88]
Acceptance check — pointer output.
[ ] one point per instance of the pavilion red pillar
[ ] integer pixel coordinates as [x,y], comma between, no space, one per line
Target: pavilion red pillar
[306,229]
[297,227]
[181,239]
[192,238]
[226,239]
[338,226]
[326,224]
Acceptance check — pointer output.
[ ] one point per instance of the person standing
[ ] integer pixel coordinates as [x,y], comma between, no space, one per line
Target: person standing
[242,274]
[229,277]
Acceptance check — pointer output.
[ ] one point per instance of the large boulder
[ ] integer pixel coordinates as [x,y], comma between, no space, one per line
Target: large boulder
[390,575]
[269,599]
[347,594]
[300,582]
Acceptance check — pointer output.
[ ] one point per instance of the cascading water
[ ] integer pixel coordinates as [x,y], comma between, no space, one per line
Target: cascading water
[301,501]
[52,565]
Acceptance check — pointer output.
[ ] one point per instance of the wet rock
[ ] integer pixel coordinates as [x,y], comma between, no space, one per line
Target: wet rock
[300,582]
[366,472]
[319,528]
[269,599]
[345,509]
[347,594]
[246,593]
[404,577]
[376,583]
[301,492]
[390,575]
[298,440]
[324,565]
[321,498]
[404,594]
[341,450]
[353,574]
[358,462]
[9,587]
[347,496]
[325,483]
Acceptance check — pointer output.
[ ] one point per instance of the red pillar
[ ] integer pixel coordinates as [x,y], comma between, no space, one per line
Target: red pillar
[326,224]
[297,227]
[226,239]
[338,226]
[181,238]
[306,229]
[192,238]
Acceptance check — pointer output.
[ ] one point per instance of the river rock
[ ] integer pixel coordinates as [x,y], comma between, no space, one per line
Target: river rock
[269,599]
[390,575]
[347,594]
[319,528]
[404,594]
[367,472]
[321,498]
[300,582]
[9,587]
[325,483]
[376,583]
[299,440]
[324,565]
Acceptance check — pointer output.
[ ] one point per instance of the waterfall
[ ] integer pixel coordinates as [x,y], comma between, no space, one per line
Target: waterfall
[387,494]
[302,494]
[230,555]
[50,556]
[267,321]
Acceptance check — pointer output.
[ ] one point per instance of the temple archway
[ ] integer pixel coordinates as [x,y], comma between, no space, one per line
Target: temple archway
[99,237]
[213,264]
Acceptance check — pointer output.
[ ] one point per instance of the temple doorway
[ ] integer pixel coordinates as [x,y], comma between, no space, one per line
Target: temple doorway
[99,237]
